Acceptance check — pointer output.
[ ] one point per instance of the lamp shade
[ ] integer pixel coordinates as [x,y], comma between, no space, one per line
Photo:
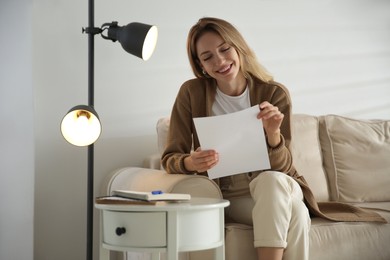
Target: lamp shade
[137,39]
[81,126]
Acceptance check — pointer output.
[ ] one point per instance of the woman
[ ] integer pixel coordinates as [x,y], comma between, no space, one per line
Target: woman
[229,79]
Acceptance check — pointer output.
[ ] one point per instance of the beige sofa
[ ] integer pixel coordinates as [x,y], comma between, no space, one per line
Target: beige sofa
[342,159]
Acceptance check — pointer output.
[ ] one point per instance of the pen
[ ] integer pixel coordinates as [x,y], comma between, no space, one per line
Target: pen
[155,192]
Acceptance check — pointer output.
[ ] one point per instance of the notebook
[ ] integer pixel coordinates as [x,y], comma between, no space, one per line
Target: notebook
[151,196]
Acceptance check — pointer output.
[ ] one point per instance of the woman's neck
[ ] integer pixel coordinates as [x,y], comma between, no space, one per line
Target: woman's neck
[233,88]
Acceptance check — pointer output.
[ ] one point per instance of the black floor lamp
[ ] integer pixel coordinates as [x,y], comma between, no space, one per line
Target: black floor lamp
[81,125]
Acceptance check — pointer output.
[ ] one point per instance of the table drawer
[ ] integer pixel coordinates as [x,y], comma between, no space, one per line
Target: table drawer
[134,229]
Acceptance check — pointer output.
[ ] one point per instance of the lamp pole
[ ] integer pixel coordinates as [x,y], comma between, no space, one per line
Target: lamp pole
[91,94]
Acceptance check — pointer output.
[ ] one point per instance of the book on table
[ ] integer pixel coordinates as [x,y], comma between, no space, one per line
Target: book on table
[151,196]
[122,201]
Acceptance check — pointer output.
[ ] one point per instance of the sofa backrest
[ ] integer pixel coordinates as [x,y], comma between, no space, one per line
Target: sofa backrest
[307,154]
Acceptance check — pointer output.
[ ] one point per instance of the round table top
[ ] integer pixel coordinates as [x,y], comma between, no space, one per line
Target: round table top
[195,203]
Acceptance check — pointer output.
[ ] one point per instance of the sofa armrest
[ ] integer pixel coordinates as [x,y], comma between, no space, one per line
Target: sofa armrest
[142,179]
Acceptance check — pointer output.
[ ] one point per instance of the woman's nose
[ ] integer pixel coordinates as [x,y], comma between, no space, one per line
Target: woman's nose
[219,59]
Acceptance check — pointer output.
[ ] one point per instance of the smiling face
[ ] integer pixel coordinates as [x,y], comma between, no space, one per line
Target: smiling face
[219,59]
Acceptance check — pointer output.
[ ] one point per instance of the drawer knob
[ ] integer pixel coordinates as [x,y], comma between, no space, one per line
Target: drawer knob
[120,231]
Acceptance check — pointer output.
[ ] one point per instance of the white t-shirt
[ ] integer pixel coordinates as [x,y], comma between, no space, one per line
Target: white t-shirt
[225,104]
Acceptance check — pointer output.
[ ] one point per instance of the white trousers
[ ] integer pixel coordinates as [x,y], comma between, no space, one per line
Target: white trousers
[280,217]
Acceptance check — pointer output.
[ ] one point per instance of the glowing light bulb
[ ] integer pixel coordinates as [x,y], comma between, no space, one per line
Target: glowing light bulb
[81,127]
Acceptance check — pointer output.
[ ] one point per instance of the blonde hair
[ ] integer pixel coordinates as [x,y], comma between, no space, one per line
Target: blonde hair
[249,63]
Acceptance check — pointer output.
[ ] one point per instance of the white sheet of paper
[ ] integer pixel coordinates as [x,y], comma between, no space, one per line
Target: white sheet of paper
[238,138]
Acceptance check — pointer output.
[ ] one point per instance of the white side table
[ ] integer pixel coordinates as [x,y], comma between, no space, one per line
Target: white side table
[165,227]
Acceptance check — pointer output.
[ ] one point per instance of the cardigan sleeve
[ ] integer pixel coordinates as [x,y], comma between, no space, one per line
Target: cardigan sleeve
[180,135]
[280,156]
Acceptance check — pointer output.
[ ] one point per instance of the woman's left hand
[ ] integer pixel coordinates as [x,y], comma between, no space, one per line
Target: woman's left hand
[272,119]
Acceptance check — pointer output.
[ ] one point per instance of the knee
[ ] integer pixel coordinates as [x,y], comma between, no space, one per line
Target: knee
[269,180]
[275,184]
[272,176]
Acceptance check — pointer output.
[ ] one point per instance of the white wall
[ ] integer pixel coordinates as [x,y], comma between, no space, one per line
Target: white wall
[16,131]
[334,56]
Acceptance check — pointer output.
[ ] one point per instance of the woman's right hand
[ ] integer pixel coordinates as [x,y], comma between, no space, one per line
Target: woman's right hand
[201,160]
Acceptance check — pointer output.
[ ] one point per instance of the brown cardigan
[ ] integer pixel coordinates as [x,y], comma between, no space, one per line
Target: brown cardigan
[195,99]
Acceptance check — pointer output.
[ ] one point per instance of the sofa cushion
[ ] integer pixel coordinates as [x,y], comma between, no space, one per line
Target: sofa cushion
[356,156]
[306,153]
[328,240]
[162,128]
